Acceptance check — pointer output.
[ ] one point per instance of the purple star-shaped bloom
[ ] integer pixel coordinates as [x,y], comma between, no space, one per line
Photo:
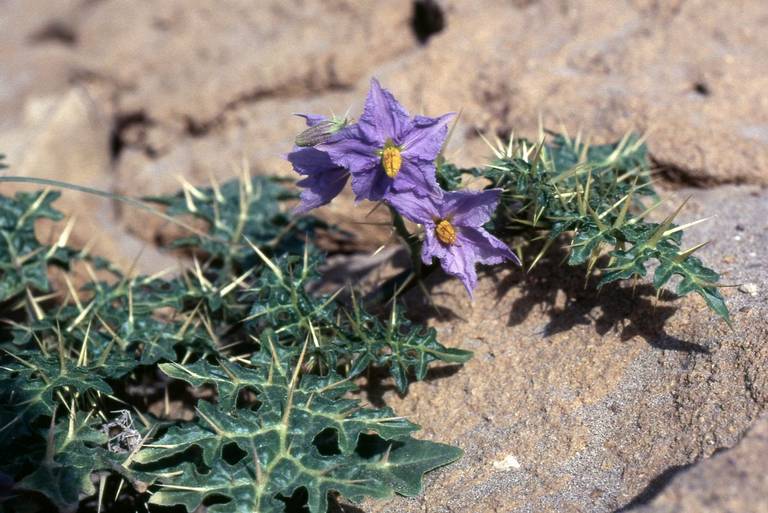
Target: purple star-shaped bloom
[454,233]
[324,179]
[387,151]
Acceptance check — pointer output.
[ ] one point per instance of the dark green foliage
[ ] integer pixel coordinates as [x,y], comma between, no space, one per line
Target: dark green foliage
[75,454]
[236,212]
[599,196]
[33,378]
[23,261]
[349,338]
[302,433]
[266,364]
[238,319]
[395,344]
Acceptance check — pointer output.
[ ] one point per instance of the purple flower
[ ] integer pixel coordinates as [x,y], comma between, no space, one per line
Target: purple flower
[454,233]
[324,179]
[387,151]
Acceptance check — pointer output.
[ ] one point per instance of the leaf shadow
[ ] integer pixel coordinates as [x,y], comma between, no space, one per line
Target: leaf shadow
[335,505]
[378,382]
[568,299]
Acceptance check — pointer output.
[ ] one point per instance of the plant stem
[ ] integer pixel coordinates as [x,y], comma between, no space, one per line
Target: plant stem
[104,194]
[414,246]
[408,278]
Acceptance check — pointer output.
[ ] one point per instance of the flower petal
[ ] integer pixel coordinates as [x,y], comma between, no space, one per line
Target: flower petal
[383,117]
[432,247]
[372,184]
[349,148]
[459,261]
[425,136]
[321,188]
[308,161]
[419,177]
[470,208]
[414,208]
[324,181]
[486,248]
[312,119]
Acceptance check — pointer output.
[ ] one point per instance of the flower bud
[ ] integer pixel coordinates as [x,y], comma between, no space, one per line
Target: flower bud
[320,132]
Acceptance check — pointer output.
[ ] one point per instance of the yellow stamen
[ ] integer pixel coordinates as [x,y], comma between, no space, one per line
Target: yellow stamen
[391,160]
[445,232]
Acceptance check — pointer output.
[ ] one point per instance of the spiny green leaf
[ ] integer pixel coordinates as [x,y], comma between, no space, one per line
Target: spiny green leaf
[397,345]
[301,435]
[595,192]
[23,259]
[31,380]
[64,474]
[90,347]
[238,210]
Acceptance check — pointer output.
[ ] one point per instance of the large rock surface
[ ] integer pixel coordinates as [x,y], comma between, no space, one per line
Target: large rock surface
[575,401]
[732,481]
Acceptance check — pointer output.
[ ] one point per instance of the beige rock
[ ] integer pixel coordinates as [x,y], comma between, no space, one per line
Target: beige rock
[192,87]
[733,480]
[591,65]
[597,397]
[65,138]
[692,75]
[188,64]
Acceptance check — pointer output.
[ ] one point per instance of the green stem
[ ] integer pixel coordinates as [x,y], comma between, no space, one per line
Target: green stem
[411,241]
[408,278]
[104,194]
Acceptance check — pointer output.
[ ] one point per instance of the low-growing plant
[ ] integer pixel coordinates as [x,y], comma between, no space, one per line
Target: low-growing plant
[231,383]
[596,199]
[281,362]
[593,195]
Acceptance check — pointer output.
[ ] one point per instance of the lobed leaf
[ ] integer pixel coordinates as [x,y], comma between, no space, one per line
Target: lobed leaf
[302,435]
[67,364]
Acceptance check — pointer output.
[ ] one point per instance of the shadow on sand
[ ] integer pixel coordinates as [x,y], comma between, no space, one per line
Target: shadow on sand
[568,300]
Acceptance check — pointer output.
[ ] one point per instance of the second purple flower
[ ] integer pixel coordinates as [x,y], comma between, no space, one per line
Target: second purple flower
[454,233]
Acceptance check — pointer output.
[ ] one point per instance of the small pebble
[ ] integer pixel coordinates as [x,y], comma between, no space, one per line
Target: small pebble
[748,288]
[510,462]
